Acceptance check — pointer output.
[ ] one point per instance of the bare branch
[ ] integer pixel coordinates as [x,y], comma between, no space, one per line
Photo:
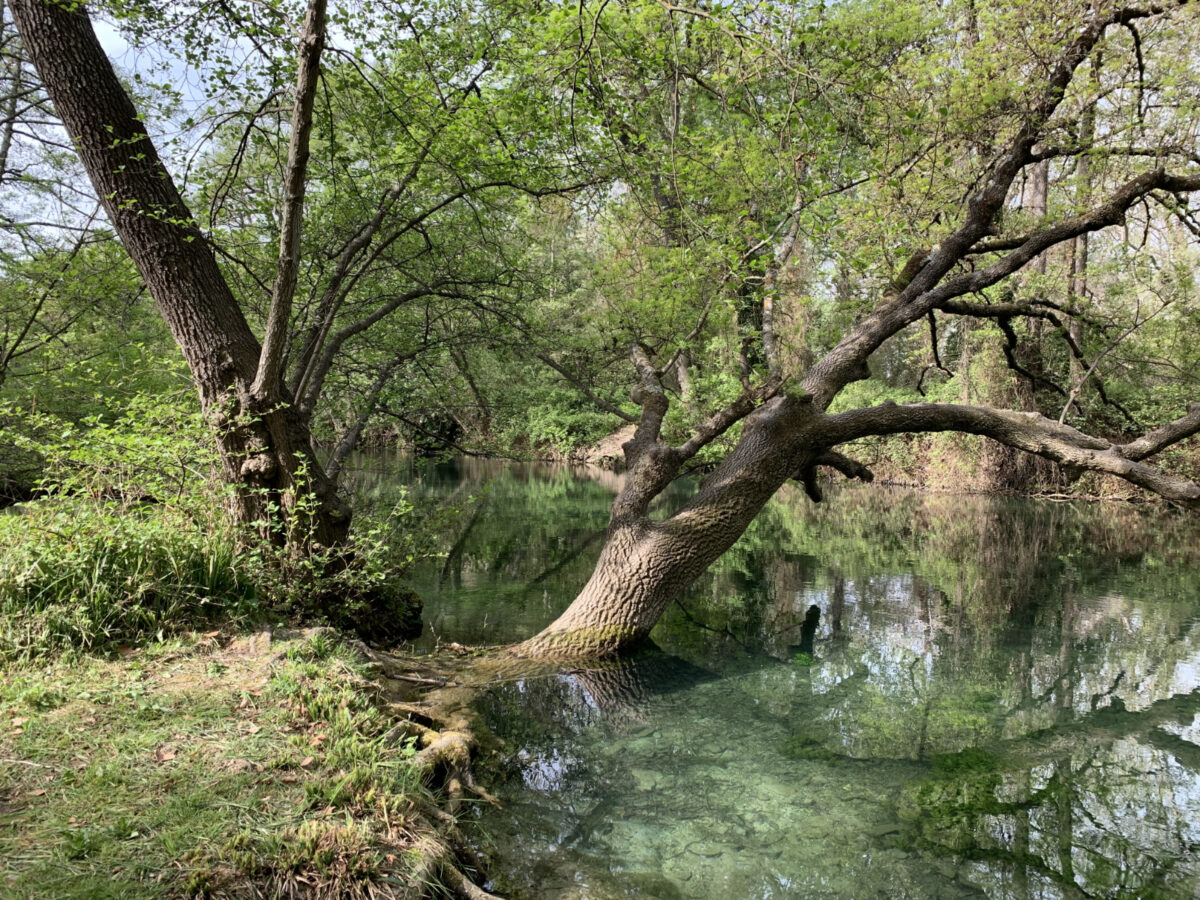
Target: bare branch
[1164,436]
[1010,359]
[1033,433]
[851,468]
[1037,309]
[1049,311]
[319,371]
[1075,391]
[370,404]
[1161,152]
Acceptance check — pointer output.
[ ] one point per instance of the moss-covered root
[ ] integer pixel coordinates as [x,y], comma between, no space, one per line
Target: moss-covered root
[596,642]
[445,754]
[444,762]
[441,723]
[447,762]
[434,711]
[437,865]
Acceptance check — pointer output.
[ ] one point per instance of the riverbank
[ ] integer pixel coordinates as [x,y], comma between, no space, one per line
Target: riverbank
[225,765]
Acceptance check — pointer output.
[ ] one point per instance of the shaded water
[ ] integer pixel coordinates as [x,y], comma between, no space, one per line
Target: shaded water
[890,695]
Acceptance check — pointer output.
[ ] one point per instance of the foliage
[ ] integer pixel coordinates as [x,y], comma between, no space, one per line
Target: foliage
[566,180]
[127,539]
[560,419]
[81,575]
[354,586]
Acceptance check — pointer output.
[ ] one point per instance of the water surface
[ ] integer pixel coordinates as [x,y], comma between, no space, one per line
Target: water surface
[888,695]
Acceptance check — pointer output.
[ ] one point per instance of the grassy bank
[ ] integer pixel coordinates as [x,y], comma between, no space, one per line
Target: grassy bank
[210,766]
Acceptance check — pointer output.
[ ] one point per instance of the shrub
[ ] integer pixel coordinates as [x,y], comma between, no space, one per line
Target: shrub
[80,573]
[128,539]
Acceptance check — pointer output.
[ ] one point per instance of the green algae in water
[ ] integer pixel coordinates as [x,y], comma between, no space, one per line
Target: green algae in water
[969,760]
[946,809]
[800,746]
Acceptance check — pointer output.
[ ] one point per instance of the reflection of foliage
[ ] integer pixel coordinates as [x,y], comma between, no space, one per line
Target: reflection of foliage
[1078,806]
[535,713]
[943,809]
[995,559]
[805,746]
[1050,636]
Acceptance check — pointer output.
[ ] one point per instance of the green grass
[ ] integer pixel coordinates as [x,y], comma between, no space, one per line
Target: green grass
[77,574]
[191,769]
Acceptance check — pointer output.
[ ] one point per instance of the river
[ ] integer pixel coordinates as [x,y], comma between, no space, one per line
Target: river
[891,694]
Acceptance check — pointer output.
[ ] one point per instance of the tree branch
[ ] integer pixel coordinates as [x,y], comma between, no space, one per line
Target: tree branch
[319,371]
[1033,433]
[722,420]
[350,439]
[649,394]
[579,385]
[267,381]
[847,361]
[851,468]
[1049,311]
[1164,436]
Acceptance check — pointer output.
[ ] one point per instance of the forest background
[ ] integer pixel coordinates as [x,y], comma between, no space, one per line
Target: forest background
[715,240]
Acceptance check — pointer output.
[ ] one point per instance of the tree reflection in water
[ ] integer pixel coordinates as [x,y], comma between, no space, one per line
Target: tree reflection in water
[888,695]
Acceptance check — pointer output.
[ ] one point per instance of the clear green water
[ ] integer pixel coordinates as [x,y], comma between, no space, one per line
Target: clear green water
[890,695]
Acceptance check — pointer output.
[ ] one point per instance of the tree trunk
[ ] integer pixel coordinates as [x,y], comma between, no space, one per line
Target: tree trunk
[645,564]
[265,446]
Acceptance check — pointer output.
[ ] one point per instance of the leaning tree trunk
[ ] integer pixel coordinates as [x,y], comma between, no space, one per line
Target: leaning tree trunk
[265,446]
[645,564]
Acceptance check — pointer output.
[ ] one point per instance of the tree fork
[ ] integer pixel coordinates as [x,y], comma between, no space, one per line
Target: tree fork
[265,447]
[645,565]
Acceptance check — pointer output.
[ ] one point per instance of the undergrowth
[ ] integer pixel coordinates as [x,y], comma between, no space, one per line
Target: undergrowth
[77,574]
[127,539]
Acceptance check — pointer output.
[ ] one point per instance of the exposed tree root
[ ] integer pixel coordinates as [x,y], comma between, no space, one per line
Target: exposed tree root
[438,866]
[431,699]
[431,702]
[463,886]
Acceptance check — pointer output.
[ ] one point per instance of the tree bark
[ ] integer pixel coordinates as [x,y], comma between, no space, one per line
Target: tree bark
[645,565]
[265,446]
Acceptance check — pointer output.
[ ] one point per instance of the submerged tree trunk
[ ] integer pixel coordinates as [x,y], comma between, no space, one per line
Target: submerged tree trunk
[265,446]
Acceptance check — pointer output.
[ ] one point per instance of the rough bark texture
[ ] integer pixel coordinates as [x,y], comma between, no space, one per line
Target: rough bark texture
[265,447]
[645,564]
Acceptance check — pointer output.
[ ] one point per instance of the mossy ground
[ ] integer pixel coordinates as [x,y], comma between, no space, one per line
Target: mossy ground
[203,766]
